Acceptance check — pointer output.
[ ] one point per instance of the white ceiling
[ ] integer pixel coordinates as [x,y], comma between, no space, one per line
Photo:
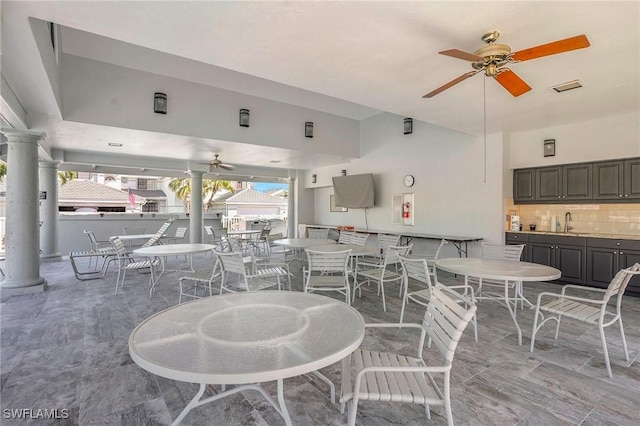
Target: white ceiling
[353,59]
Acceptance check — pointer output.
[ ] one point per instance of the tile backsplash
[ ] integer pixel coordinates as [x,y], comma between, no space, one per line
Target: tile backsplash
[623,219]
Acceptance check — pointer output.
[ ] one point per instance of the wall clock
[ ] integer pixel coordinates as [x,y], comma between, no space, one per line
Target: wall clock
[408,181]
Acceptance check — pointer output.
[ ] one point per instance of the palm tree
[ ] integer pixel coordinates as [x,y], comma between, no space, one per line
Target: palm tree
[182,188]
[67,176]
[211,187]
[3,170]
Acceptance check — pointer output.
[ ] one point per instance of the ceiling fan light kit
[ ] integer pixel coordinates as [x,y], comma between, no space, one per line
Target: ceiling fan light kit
[216,164]
[244,117]
[493,57]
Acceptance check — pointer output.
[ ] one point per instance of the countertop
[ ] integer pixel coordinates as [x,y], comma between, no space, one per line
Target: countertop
[581,234]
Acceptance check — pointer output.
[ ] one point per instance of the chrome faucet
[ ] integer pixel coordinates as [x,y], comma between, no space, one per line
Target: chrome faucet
[567,219]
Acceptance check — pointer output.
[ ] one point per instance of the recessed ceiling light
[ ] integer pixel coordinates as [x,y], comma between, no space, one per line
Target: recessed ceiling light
[569,85]
[114,144]
[274,161]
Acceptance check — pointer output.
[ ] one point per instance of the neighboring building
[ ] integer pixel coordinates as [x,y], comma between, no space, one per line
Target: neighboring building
[254,204]
[145,187]
[80,195]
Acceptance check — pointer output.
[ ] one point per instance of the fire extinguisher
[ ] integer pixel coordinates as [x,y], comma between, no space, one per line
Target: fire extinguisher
[405,210]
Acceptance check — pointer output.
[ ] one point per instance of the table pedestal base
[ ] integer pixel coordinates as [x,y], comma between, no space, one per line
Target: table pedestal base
[280,406]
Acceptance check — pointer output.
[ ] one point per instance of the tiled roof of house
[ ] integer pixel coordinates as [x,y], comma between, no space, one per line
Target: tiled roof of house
[80,189]
[251,196]
[222,195]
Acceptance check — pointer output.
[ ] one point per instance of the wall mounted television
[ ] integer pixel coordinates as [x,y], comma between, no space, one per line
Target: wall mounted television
[354,191]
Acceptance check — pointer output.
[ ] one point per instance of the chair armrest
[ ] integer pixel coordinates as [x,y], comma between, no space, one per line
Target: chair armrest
[392,325]
[578,287]
[573,298]
[369,264]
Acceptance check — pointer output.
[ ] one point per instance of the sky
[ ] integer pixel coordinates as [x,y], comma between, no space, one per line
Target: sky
[264,187]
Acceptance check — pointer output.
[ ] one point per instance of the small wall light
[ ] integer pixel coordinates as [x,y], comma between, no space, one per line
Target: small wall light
[308,129]
[408,126]
[549,147]
[244,117]
[160,103]
[313,178]
[344,172]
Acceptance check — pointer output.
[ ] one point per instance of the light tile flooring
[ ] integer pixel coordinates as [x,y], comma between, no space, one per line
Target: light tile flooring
[66,348]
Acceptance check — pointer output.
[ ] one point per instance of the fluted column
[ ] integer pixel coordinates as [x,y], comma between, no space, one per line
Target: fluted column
[49,211]
[196,225]
[22,266]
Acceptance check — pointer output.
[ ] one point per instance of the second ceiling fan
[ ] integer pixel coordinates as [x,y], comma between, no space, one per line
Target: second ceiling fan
[493,57]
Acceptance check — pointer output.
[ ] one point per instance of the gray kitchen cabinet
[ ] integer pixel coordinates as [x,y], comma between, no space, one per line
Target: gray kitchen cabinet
[524,185]
[606,256]
[596,182]
[568,254]
[549,184]
[576,182]
[617,180]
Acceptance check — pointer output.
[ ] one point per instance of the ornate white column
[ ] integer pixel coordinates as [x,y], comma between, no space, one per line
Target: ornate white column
[49,211]
[196,225]
[22,266]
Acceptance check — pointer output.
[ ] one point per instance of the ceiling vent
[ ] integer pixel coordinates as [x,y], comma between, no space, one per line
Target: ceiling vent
[570,85]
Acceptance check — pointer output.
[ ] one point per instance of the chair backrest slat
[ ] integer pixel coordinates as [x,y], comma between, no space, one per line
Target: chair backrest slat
[418,269]
[119,246]
[318,233]
[619,283]
[445,320]
[359,238]
[181,231]
[393,254]
[346,237]
[232,262]
[503,252]
[385,241]
[327,262]
[443,243]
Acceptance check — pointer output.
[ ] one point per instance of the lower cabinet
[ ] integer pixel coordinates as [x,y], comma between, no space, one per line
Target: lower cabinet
[568,254]
[605,257]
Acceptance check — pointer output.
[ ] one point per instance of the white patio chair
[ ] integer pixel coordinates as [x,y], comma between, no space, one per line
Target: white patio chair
[128,262]
[431,259]
[127,230]
[359,238]
[318,233]
[346,237]
[278,250]
[238,276]
[97,246]
[500,252]
[327,272]
[397,378]
[381,273]
[416,274]
[192,283]
[181,231]
[384,241]
[591,309]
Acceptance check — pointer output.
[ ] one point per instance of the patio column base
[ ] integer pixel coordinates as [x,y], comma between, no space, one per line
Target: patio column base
[8,288]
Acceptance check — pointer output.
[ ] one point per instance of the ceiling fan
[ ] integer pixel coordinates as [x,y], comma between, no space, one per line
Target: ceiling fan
[217,164]
[493,57]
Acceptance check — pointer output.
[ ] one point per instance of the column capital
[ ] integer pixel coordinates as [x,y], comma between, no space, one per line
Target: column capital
[195,173]
[15,135]
[49,164]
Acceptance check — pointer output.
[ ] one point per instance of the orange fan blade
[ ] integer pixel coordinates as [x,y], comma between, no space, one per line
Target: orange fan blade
[560,46]
[459,54]
[510,81]
[451,83]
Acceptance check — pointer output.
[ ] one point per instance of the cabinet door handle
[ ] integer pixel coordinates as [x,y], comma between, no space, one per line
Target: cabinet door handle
[621,253]
[615,252]
[551,247]
[620,195]
[626,195]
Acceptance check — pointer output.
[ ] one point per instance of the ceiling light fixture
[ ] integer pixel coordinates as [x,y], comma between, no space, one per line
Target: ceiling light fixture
[160,103]
[114,144]
[408,126]
[308,129]
[244,117]
[274,161]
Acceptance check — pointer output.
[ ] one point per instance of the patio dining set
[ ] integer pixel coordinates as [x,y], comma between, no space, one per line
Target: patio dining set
[253,328]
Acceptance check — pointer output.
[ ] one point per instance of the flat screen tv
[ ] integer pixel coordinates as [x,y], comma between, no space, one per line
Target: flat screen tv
[354,191]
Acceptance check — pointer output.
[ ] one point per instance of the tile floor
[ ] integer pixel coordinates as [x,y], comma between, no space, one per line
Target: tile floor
[66,348]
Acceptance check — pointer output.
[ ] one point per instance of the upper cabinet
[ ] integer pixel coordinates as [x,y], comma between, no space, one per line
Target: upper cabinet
[606,181]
